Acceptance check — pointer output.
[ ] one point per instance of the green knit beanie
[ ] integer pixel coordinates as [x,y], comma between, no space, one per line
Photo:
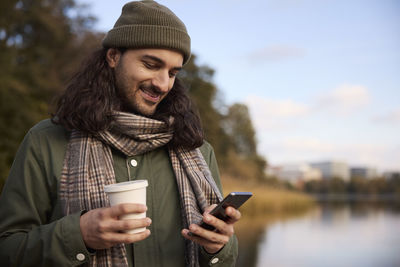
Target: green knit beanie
[147,24]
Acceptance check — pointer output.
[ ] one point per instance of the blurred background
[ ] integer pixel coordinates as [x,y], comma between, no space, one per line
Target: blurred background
[299,98]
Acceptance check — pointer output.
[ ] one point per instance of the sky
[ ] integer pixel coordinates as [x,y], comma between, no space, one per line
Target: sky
[321,78]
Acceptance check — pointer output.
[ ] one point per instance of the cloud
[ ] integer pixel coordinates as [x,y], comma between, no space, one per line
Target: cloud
[344,99]
[289,131]
[310,149]
[288,114]
[390,117]
[276,108]
[276,53]
[307,144]
[270,114]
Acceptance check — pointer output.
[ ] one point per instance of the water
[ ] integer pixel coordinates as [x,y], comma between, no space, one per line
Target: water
[337,235]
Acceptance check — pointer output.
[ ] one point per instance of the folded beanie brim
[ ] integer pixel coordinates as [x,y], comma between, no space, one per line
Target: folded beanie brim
[151,36]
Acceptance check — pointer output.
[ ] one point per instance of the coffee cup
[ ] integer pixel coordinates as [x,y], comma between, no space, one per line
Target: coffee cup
[128,192]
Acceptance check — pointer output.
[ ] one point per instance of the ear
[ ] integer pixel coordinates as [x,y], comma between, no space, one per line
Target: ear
[113,56]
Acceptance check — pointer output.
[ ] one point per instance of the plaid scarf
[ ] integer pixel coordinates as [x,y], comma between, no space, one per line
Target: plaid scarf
[88,166]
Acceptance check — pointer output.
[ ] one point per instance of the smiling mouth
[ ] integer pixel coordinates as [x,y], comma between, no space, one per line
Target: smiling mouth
[150,95]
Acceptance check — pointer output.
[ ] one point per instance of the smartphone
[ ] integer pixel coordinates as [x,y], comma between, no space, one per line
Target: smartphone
[234,199]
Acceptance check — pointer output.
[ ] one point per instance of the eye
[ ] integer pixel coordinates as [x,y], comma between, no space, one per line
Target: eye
[172,74]
[150,65]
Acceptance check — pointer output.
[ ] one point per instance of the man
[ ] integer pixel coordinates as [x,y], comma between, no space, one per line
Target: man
[124,116]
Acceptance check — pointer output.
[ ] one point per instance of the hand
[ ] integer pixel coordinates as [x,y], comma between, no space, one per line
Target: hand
[102,229]
[213,241]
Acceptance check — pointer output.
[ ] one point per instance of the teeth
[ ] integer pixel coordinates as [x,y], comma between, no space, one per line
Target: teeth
[150,93]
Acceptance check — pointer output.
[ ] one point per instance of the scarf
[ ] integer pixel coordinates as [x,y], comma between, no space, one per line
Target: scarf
[88,167]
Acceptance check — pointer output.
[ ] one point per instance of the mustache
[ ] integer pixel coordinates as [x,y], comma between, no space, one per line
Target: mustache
[150,88]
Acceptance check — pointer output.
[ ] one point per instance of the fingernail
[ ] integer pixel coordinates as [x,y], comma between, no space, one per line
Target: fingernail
[207,217]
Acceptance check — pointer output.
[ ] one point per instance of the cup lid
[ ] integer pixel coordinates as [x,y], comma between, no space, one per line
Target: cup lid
[125,186]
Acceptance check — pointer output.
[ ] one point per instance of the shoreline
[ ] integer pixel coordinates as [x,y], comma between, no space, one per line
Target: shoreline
[355,197]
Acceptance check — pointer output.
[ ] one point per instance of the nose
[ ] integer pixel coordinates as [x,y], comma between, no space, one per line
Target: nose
[162,81]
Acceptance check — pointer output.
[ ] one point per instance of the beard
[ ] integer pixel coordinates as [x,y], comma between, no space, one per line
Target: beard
[132,100]
[140,98]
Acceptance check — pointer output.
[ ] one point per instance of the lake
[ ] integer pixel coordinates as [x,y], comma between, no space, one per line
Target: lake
[333,234]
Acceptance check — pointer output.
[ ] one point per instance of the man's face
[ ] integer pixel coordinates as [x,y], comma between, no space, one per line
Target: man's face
[144,76]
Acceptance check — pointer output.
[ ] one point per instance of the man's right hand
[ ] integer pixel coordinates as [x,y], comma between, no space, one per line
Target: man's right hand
[101,228]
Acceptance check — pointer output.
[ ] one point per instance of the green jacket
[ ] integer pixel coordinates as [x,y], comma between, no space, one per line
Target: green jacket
[34,231]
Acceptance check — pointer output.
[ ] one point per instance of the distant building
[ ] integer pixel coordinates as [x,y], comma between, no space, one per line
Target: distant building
[333,169]
[273,171]
[296,172]
[364,172]
[391,175]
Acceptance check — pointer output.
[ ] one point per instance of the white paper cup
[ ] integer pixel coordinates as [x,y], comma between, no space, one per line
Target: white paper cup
[128,192]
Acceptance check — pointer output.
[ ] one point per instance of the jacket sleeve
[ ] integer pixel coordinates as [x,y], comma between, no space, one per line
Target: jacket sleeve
[228,254]
[30,232]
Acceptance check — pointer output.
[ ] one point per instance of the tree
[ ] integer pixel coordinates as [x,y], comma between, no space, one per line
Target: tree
[203,92]
[239,127]
[40,45]
[232,135]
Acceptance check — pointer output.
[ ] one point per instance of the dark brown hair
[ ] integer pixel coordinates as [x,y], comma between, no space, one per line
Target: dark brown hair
[91,96]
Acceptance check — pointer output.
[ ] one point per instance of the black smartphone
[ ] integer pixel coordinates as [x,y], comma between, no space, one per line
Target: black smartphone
[234,199]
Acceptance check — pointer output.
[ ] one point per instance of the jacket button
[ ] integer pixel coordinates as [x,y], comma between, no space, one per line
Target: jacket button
[214,260]
[80,257]
[133,163]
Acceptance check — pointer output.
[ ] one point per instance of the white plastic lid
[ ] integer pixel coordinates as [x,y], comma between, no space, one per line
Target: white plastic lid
[125,186]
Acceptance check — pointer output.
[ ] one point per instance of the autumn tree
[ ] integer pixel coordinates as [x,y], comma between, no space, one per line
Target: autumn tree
[41,44]
[203,92]
[239,126]
[232,134]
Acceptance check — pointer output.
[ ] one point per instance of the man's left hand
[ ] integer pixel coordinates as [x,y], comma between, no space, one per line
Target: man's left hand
[213,241]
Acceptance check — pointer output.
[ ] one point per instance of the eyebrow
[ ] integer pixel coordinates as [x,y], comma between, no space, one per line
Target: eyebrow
[159,61]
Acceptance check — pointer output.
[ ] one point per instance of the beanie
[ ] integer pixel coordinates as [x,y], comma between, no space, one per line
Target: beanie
[147,24]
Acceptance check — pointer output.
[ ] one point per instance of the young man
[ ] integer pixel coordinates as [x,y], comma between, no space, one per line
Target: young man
[124,116]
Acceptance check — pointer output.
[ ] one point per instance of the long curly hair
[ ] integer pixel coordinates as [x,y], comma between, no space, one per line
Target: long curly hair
[91,97]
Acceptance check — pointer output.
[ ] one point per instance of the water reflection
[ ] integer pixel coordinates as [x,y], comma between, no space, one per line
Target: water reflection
[332,234]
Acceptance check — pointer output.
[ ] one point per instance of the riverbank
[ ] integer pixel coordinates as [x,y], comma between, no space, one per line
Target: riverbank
[268,200]
[357,197]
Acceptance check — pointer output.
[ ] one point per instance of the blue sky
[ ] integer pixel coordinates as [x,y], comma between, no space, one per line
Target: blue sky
[321,78]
